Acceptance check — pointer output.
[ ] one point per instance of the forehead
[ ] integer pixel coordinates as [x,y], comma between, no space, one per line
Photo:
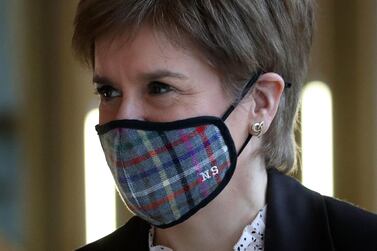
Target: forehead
[146,47]
[127,61]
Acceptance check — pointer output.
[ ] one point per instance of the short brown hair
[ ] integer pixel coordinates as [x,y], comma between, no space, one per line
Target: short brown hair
[236,36]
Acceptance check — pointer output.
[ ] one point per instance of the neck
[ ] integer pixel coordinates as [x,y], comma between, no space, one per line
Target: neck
[226,216]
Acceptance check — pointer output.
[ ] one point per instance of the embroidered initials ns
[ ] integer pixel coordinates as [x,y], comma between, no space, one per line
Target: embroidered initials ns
[207,174]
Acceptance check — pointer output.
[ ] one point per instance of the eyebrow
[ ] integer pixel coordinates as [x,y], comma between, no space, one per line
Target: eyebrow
[102,80]
[158,74]
[147,76]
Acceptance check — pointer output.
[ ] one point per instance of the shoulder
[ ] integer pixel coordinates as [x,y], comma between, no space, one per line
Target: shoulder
[324,223]
[351,225]
[132,236]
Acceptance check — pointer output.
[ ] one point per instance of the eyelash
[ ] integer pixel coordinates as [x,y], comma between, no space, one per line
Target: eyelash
[154,88]
[106,92]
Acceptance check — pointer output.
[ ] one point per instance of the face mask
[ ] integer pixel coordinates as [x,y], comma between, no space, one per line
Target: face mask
[166,172]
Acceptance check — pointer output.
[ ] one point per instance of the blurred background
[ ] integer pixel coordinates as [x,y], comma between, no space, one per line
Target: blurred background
[50,195]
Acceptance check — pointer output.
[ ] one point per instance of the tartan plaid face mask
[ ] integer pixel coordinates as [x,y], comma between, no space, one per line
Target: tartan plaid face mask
[165,172]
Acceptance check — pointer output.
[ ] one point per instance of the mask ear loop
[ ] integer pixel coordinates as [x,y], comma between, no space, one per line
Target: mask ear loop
[245,144]
[245,90]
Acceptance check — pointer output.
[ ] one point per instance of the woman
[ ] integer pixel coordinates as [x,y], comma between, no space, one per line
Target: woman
[196,122]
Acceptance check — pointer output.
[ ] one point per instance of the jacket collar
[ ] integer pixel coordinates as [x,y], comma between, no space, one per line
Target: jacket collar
[296,216]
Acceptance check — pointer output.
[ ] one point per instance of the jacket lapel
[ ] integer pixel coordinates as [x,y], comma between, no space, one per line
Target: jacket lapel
[296,216]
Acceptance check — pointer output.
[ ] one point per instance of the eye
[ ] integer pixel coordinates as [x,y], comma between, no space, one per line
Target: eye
[158,88]
[107,92]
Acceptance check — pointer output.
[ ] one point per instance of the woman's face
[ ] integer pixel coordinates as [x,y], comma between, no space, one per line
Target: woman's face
[150,79]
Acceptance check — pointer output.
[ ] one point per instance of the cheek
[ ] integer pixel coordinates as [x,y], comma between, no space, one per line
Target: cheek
[209,103]
[238,126]
[107,112]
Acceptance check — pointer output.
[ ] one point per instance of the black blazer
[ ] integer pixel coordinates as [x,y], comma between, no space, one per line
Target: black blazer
[297,219]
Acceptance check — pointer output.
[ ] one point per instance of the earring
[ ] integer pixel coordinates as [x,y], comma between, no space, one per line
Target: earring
[257,128]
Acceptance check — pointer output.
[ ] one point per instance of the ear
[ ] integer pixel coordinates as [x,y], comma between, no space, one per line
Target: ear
[266,95]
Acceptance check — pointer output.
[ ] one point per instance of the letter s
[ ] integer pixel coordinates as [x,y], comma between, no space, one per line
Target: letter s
[214,170]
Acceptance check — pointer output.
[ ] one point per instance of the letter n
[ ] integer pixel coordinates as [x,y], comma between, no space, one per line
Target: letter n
[205,175]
